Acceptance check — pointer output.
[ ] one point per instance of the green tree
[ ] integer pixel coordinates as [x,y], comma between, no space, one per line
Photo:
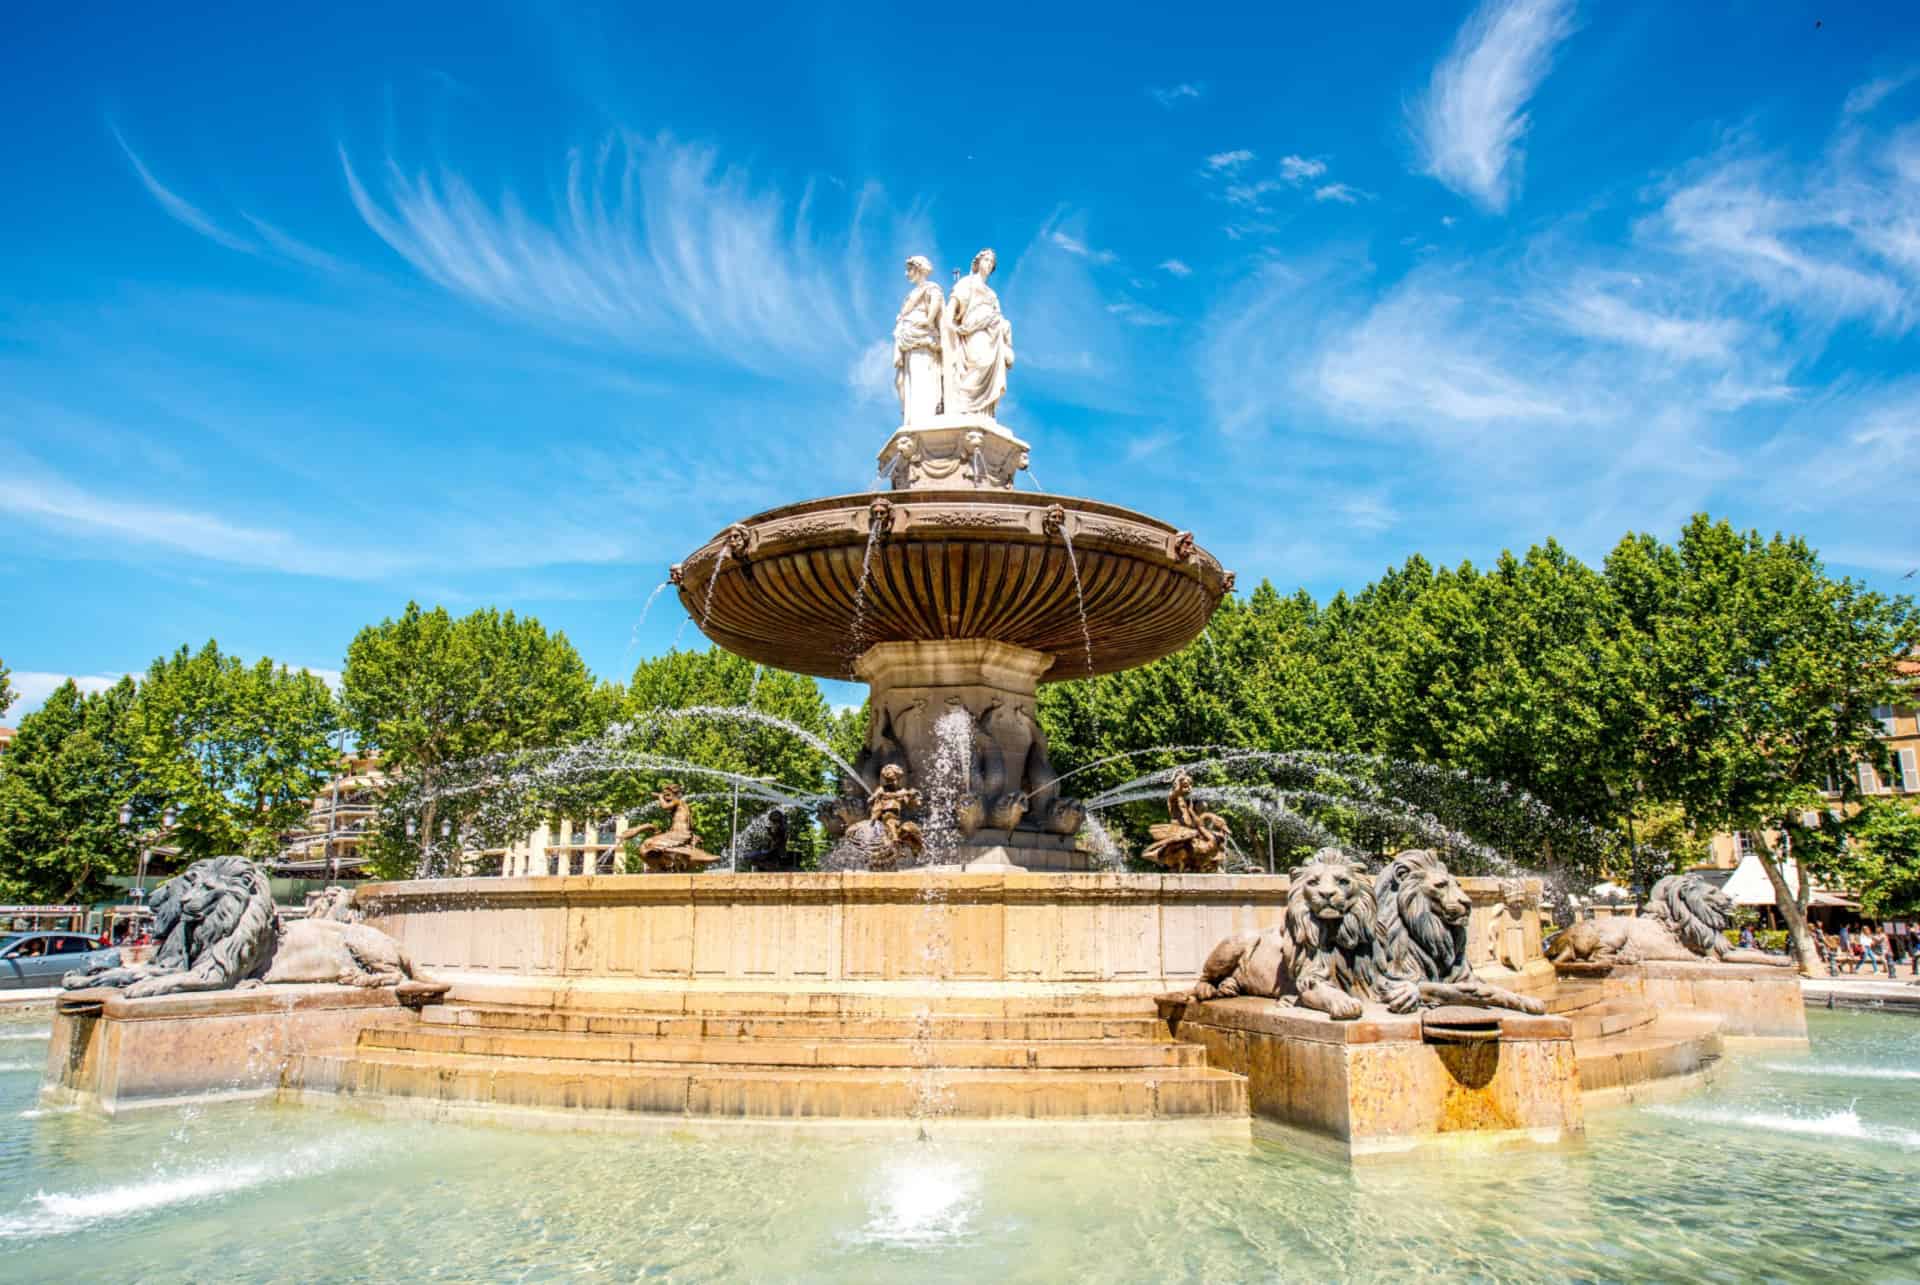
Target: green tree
[682,680]
[7,695]
[1752,676]
[236,750]
[437,698]
[1874,853]
[61,788]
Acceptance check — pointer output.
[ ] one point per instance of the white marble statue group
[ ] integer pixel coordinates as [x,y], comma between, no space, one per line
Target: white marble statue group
[951,356]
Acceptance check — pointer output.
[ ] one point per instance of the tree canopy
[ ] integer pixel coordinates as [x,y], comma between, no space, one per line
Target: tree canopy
[236,750]
[62,784]
[437,698]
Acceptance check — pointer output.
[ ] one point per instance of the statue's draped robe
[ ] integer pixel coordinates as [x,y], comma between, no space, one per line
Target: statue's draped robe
[978,345]
[916,353]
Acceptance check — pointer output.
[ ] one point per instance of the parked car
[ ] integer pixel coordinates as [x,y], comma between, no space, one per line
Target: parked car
[35,960]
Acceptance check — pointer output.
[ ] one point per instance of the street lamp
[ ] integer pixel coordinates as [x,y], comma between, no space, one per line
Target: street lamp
[139,893]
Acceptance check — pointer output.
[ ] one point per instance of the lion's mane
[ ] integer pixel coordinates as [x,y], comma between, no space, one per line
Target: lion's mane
[1694,909]
[234,936]
[1412,939]
[1341,953]
[216,927]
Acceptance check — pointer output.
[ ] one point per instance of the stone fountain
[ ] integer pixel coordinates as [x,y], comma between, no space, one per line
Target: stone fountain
[954,595]
[958,959]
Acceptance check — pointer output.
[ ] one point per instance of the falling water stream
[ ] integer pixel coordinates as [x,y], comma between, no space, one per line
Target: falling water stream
[1079,595]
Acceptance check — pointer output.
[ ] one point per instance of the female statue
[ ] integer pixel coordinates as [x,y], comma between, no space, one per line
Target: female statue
[977,343]
[916,345]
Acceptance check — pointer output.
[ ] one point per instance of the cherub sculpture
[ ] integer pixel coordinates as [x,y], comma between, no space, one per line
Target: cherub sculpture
[673,850]
[1188,842]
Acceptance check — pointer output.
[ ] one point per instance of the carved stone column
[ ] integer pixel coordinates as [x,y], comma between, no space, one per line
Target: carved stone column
[961,718]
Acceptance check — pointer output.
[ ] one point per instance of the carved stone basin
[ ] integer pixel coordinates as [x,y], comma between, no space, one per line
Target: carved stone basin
[784,587]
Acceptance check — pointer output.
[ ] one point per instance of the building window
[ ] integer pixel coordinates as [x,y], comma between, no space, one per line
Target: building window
[1885,714]
[1909,771]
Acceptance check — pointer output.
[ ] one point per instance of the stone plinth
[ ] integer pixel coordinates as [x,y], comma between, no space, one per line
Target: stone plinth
[1375,1087]
[1753,1001]
[950,451]
[224,1044]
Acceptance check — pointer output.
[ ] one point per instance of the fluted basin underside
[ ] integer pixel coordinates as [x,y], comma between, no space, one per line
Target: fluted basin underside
[785,587]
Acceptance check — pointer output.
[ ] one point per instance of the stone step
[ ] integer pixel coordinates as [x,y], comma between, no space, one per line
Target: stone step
[738,1026]
[766,1093]
[1609,1017]
[1675,1044]
[1095,1054]
[1572,993]
[681,998]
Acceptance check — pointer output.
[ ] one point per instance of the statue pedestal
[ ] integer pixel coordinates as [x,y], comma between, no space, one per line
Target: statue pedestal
[112,1053]
[1379,1086]
[1755,1002]
[959,717]
[953,451]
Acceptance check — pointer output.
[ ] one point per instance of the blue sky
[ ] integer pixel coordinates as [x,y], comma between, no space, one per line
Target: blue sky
[305,314]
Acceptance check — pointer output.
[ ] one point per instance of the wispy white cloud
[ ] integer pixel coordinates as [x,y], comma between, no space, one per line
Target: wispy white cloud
[1138,314]
[291,247]
[870,377]
[1837,240]
[1339,192]
[1075,246]
[181,210]
[1472,119]
[654,241]
[1870,95]
[1298,169]
[34,686]
[1424,354]
[37,498]
[1228,162]
[1147,445]
[1170,95]
[1600,309]
[1175,267]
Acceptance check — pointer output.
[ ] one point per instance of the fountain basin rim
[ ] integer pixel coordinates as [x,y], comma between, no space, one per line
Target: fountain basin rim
[808,587]
[809,885]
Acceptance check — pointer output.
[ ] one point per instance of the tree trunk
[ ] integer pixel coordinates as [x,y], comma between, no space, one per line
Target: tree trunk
[1792,905]
[426,840]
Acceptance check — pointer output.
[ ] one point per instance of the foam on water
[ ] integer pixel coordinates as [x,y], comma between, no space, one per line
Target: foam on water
[19,1066]
[1846,1071]
[44,1033]
[62,1212]
[1843,1123]
[922,1204]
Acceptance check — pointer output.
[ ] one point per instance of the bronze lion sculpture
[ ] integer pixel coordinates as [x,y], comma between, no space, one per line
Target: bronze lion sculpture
[1319,957]
[1685,919]
[1420,940]
[218,929]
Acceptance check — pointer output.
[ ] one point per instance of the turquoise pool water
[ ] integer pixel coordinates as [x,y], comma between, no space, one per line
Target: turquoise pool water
[1790,1167]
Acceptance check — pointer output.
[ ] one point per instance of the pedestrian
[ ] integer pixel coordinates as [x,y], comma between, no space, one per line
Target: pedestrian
[1869,948]
[1747,939]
